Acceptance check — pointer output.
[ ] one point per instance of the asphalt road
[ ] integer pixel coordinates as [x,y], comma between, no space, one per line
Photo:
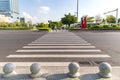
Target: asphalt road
[10,41]
[107,41]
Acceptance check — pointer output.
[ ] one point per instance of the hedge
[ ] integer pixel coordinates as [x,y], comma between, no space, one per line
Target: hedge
[14,28]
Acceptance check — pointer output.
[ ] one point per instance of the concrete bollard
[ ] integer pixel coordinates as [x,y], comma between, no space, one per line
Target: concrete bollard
[74,69]
[105,70]
[35,70]
[9,70]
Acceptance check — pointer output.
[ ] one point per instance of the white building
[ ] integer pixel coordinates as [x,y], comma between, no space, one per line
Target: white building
[4,18]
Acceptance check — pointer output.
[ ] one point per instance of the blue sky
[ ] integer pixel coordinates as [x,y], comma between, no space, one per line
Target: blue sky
[44,10]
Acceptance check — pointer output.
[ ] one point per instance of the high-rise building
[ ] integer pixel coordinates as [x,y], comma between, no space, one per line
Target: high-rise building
[10,8]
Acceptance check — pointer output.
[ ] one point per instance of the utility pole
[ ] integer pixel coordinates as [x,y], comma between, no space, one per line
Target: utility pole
[77,9]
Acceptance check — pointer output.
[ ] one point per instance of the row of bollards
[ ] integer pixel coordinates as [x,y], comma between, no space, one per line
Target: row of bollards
[74,70]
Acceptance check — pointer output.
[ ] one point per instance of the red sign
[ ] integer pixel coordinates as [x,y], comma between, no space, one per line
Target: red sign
[84,22]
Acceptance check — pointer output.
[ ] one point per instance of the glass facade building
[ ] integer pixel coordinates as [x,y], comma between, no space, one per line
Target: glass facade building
[10,8]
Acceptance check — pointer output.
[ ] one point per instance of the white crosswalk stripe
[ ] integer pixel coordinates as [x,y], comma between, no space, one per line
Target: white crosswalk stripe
[59,44]
[58,56]
[58,47]
[58,51]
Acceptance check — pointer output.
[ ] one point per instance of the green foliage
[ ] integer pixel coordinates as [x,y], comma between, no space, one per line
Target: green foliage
[3,24]
[90,26]
[40,25]
[114,26]
[44,29]
[69,19]
[97,26]
[46,25]
[14,26]
[111,19]
[119,20]
[54,24]
[90,19]
[72,27]
[106,26]
[104,21]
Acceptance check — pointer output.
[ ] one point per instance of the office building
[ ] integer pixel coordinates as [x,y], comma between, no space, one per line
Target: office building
[10,8]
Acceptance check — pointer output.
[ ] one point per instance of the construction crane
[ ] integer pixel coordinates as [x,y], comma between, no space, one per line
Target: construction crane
[116,14]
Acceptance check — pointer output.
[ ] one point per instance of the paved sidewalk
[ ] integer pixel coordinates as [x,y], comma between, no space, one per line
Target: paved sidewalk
[60,73]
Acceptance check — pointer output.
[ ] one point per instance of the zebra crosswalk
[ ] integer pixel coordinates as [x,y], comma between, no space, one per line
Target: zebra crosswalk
[59,47]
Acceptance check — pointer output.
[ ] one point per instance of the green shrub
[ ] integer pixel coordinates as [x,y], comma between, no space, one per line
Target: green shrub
[97,26]
[106,26]
[72,27]
[90,26]
[114,26]
[101,27]
[14,28]
[44,29]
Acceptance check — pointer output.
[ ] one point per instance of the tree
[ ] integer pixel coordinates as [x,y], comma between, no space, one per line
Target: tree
[46,25]
[3,24]
[111,19]
[103,21]
[42,25]
[54,24]
[60,25]
[90,19]
[98,19]
[69,19]
[119,20]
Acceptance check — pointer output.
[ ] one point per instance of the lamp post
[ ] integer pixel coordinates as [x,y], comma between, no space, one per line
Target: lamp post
[77,9]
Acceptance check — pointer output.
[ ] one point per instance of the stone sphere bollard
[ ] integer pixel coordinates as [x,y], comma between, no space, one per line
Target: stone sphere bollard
[105,70]
[74,69]
[35,70]
[9,70]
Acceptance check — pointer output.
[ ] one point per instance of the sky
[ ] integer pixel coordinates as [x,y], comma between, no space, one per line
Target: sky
[44,10]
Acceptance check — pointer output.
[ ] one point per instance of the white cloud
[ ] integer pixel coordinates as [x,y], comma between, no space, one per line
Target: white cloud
[28,17]
[44,9]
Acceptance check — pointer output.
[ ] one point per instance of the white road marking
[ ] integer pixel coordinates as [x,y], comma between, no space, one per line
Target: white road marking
[59,47]
[58,51]
[59,56]
[60,44]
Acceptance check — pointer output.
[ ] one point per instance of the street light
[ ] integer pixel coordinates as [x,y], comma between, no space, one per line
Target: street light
[77,9]
[116,14]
